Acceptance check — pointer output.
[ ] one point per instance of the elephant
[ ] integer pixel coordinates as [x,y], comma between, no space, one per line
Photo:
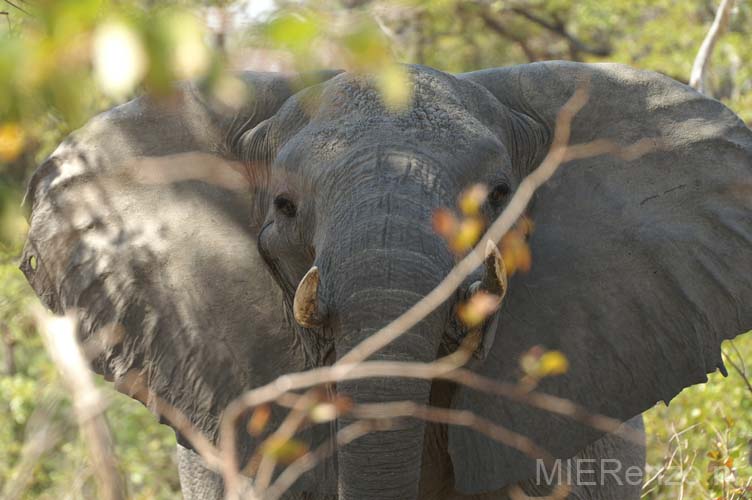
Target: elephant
[209,250]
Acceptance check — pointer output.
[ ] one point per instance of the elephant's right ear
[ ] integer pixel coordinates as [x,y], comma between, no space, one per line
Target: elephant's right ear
[641,266]
[140,223]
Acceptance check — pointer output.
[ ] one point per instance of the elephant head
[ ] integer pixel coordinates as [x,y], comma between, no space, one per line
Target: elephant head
[640,267]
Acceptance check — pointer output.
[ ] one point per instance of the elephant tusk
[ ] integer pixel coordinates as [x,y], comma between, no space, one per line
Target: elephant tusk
[305,303]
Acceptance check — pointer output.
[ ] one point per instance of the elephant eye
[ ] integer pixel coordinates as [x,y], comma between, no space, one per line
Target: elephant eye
[498,195]
[285,206]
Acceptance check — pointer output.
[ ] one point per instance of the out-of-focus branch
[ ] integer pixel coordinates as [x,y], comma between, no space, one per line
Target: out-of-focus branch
[9,361]
[17,7]
[40,439]
[496,26]
[558,28]
[59,335]
[308,461]
[462,418]
[284,432]
[133,385]
[702,61]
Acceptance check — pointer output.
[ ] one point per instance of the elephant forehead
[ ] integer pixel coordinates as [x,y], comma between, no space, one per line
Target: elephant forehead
[435,99]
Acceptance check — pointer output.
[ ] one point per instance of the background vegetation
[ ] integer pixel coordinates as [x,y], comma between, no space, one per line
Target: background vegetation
[61,61]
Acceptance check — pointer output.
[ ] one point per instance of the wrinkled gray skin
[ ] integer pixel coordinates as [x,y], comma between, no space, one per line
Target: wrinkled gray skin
[640,265]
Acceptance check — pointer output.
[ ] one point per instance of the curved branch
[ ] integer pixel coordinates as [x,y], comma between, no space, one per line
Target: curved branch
[702,61]
[496,26]
[576,45]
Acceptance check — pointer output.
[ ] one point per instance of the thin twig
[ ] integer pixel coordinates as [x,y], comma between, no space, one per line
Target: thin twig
[283,433]
[428,371]
[308,461]
[462,418]
[702,61]
[17,7]
[46,435]
[134,385]
[741,370]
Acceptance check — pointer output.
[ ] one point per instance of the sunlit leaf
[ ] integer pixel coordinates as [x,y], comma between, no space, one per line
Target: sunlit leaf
[259,419]
[190,54]
[514,247]
[729,421]
[292,30]
[468,233]
[538,363]
[479,307]
[323,412]
[120,60]
[284,450]
[553,363]
[472,199]
[12,141]
[366,47]
[395,87]
[445,223]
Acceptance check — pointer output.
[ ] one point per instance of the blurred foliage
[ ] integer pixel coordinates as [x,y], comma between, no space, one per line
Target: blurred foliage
[62,61]
[32,398]
[702,442]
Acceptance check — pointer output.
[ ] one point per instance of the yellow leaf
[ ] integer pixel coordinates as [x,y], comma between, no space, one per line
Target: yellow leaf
[514,248]
[468,233]
[190,55]
[553,363]
[538,363]
[472,199]
[284,450]
[293,30]
[475,311]
[12,141]
[395,87]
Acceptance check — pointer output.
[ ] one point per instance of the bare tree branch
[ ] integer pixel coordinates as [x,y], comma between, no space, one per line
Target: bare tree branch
[59,334]
[739,368]
[496,26]
[558,27]
[462,418]
[43,435]
[702,61]
[311,459]
[17,7]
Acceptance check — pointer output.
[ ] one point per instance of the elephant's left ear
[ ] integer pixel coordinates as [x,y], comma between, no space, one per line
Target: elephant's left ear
[640,268]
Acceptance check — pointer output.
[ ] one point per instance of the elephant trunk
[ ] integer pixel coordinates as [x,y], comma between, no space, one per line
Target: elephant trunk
[373,286]
[386,464]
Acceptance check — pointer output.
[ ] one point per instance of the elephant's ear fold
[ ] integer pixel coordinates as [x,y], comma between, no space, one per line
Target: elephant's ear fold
[640,269]
[140,223]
